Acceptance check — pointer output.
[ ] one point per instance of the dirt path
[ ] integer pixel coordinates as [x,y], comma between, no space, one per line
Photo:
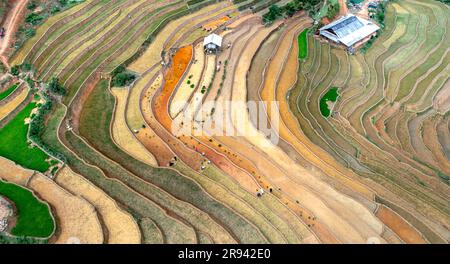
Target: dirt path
[343,10]
[10,25]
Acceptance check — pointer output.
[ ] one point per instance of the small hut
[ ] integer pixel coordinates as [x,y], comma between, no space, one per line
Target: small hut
[212,43]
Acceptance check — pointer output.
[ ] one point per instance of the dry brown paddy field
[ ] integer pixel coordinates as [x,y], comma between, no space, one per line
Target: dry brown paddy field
[376,170]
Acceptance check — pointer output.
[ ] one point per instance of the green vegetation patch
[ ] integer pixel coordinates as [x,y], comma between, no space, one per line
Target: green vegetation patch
[275,12]
[122,77]
[8,91]
[330,96]
[303,44]
[34,218]
[14,144]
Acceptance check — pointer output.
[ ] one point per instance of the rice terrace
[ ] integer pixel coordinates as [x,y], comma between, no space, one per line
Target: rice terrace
[225,122]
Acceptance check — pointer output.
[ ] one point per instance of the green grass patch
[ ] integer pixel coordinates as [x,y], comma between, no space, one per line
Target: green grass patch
[34,218]
[331,96]
[14,144]
[8,91]
[303,44]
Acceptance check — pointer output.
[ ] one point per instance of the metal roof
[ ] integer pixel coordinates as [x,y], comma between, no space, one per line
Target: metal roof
[348,29]
[213,39]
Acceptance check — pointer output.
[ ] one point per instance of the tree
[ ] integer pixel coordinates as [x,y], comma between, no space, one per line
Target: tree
[33,19]
[332,10]
[274,12]
[26,67]
[123,79]
[32,5]
[15,70]
[55,87]
[290,9]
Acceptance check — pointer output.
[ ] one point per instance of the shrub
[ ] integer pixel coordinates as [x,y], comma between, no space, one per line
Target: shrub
[32,5]
[33,19]
[15,70]
[122,77]
[63,2]
[55,9]
[55,87]
[30,82]
[26,67]
[332,11]
[274,13]
[30,32]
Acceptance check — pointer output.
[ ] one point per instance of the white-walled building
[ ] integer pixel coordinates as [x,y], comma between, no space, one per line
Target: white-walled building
[212,43]
[349,30]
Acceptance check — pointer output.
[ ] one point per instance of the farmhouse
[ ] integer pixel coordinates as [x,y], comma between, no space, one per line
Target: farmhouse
[350,31]
[212,43]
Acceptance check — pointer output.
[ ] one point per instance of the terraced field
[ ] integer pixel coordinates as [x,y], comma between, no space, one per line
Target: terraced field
[355,149]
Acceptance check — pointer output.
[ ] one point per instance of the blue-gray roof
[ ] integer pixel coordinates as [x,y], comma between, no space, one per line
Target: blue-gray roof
[348,29]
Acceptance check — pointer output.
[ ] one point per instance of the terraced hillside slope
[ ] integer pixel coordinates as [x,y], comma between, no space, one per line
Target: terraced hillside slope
[119,106]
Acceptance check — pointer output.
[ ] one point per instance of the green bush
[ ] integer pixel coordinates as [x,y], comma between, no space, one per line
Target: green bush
[30,32]
[55,87]
[55,9]
[26,67]
[33,19]
[274,13]
[15,70]
[123,79]
[32,5]
[289,9]
[333,9]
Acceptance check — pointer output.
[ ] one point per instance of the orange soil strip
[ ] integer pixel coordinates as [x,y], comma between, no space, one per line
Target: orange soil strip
[179,65]
[199,147]
[147,136]
[216,23]
[183,92]
[223,163]
[397,224]
[180,62]
[77,220]
[243,163]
